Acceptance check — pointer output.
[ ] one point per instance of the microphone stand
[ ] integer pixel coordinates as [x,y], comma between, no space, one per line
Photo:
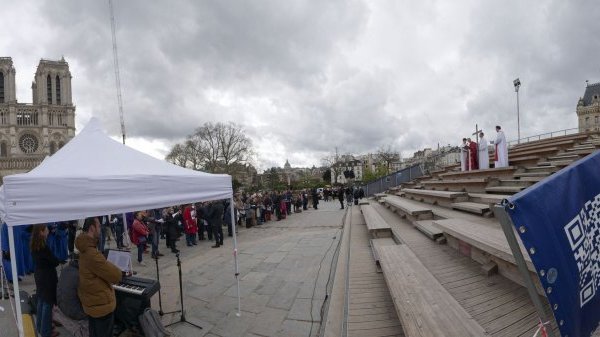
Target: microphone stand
[182,318]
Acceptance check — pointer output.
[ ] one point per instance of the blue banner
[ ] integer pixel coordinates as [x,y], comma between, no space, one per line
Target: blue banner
[558,221]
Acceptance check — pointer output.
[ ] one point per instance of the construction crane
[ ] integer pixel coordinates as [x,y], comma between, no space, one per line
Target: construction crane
[116,65]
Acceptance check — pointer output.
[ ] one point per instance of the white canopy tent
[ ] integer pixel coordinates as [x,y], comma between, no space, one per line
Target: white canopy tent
[95,175]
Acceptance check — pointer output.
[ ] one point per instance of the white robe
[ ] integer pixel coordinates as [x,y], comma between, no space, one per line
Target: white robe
[463,157]
[484,156]
[501,150]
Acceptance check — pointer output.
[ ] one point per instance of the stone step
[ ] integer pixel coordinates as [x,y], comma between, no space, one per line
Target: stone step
[428,228]
[505,189]
[471,207]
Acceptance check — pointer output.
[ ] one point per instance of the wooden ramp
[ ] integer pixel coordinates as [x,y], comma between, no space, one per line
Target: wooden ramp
[371,309]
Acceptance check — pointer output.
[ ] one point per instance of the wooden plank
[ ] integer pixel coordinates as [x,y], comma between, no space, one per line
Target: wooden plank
[471,207]
[428,228]
[409,207]
[440,194]
[424,307]
[376,243]
[487,238]
[489,198]
[376,225]
[505,189]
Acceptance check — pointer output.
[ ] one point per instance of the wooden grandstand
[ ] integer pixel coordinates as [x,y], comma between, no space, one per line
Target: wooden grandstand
[449,270]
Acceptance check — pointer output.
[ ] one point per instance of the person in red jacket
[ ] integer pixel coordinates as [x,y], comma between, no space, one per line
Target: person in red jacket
[190,227]
[140,235]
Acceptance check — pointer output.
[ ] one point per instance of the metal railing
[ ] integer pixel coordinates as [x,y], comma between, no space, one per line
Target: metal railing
[392,180]
[541,136]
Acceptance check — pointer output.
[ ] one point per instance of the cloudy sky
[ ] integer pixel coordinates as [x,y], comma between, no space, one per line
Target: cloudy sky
[305,77]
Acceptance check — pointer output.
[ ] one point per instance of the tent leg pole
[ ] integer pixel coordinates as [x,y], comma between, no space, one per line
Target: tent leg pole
[15,276]
[507,227]
[126,232]
[235,256]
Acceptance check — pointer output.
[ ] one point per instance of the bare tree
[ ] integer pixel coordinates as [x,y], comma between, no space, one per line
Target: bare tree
[214,148]
[388,156]
[235,147]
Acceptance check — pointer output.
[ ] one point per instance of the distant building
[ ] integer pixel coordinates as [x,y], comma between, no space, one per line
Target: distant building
[31,131]
[345,165]
[588,108]
[290,175]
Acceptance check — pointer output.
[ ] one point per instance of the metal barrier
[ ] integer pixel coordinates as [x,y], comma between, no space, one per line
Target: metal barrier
[393,180]
[544,136]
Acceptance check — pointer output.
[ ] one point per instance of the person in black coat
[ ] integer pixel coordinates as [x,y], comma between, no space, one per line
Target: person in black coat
[170,227]
[46,279]
[215,219]
[341,197]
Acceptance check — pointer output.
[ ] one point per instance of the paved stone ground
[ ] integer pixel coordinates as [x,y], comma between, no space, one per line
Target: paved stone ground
[284,269]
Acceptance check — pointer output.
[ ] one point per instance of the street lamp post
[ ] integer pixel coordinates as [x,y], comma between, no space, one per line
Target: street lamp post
[517,84]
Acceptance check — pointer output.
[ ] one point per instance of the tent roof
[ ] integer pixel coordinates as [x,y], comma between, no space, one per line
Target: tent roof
[96,175]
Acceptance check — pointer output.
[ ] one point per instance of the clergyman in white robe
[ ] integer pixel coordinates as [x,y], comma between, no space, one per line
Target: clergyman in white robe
[484,156]
[501,154]
[463,155]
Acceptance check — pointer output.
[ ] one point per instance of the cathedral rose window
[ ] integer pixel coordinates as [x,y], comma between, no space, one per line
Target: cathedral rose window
[28,143]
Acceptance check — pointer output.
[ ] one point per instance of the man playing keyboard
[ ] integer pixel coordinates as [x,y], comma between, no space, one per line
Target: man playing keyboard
[96,277]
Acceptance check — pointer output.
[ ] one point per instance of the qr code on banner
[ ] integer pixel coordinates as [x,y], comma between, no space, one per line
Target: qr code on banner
[583,233]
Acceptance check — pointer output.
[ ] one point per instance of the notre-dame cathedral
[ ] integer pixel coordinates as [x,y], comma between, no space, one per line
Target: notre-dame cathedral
[31,131]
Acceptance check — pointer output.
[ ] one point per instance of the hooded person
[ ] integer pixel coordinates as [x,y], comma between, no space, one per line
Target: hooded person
[96,277]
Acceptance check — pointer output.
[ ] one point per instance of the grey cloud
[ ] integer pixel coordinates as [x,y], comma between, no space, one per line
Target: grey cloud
[312,75]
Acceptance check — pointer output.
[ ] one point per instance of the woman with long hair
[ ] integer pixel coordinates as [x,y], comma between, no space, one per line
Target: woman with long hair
[46,279]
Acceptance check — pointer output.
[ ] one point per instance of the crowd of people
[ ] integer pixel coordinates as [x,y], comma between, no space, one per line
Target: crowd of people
[475,156]
[85,284]
[258,208]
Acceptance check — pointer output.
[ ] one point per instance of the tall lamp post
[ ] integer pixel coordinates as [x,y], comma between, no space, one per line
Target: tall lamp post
[517,84]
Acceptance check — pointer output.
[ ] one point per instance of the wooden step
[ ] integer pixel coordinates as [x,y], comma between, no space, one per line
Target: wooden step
[471,207]
[376,225]
[505,189]
[522,159]
[492,172]
[515,182]
[415,210]
[534,179]
[424,306]
[376,244]
[541,168]
[488,198]
[531,174]
[439,194]
[583,147]
[564,157]
[557,163]
[428,228]
[487,238]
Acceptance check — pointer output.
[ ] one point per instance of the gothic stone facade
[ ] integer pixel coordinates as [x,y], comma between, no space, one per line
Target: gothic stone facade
[30,132]
[588,109]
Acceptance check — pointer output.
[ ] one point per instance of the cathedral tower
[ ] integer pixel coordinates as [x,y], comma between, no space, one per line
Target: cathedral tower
[30,132]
